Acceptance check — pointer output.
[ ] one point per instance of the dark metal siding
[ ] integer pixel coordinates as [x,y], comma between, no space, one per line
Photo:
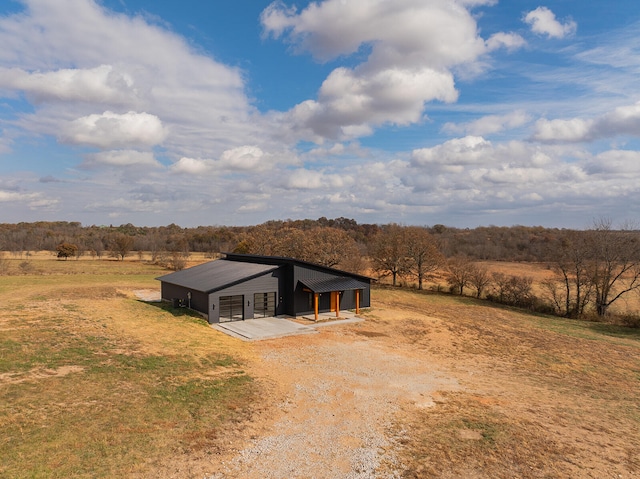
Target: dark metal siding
[347,299]
[269,282]
[199,300]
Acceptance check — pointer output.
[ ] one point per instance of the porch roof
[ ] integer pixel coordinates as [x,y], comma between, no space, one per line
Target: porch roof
[341,283]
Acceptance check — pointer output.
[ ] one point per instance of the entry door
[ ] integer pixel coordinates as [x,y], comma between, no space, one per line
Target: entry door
[264,305]
[231,308]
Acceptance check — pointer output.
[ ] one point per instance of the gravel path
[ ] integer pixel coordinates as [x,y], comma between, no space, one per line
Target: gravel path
[340,398]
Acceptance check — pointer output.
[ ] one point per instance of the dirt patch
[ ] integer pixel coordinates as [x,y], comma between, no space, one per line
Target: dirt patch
[38,374]
[148,295]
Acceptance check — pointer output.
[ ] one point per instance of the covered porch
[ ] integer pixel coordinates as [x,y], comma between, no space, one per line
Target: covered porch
[336,287]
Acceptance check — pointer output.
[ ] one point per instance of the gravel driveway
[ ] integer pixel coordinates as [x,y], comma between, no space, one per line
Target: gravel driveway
[336,401]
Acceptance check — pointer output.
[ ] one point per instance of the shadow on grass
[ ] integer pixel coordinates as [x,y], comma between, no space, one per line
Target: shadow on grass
[614,330]
[178,312]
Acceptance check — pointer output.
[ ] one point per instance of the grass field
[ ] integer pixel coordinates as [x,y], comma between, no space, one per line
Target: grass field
[95,383]
[546,397]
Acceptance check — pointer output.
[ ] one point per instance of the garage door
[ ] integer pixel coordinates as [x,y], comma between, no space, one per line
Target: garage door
[231,308]
[264,305]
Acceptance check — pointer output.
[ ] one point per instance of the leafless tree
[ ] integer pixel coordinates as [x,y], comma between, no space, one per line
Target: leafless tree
[571,290]
[479,278]
[459,272]
[422,252]
[615,263]
[513,290]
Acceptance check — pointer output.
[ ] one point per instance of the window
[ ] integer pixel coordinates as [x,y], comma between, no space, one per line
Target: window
[231,308]
[264,305]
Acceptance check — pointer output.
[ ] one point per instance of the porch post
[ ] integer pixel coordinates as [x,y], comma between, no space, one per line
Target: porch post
[315,304]
[357,301]
[337,304]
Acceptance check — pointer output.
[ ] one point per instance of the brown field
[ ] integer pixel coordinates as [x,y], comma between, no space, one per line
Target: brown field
[95,383]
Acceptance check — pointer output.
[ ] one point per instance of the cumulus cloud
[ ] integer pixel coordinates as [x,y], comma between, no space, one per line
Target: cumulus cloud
[508,41]
[615,163]
[113,130]
[574,130]
[250,158]
[454,154]
[71,66]
[624,120]
[414,49]
[101,84]
[543,22]
[121,158]
[489,124]
[193,166]
[304,179]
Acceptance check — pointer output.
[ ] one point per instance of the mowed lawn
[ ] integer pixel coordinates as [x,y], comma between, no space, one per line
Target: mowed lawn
[95,383]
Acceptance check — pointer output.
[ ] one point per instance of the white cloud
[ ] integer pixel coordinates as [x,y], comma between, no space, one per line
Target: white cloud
[543,22]
[121,158]
[415,46]
[113,130]
[8,196]
[303,179]
[249,158]
[490,124]
[101,84]
[574,130]
[615,162]
[73,58]
[509,41]
[193,166]
[453,155]
[624,120]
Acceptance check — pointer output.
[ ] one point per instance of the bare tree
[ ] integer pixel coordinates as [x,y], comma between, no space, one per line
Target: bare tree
[479,278]
[571,290]
[459,272]
[615,263]
[389,253]
[4,264]
[513,290]
[422,252]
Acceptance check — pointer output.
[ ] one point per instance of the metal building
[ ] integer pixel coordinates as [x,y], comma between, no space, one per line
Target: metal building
[241,286]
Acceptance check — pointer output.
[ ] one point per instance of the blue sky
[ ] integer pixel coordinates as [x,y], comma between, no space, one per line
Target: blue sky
[459,112]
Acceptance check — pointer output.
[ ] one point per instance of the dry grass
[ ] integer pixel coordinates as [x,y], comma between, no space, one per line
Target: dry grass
[94,383]
[543,397]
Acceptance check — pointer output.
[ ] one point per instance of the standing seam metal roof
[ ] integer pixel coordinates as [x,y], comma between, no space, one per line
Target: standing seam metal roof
[333,284]
[215,275]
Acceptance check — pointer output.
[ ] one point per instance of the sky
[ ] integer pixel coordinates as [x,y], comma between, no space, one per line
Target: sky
[457,112]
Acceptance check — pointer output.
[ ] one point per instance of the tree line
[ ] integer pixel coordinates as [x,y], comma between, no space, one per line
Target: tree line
[592,268]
